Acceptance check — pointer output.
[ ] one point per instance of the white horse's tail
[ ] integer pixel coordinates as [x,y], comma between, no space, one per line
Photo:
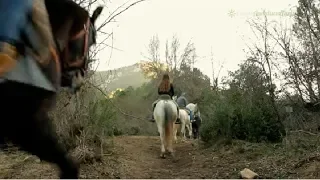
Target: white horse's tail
[168,122]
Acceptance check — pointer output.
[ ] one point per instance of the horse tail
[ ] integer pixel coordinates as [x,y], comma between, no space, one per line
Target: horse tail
[168,121]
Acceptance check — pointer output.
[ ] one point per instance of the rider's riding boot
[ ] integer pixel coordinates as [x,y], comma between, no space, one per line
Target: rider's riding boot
[178,119]
[152,118]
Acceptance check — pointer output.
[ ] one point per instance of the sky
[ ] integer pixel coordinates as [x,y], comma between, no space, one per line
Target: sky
[217,28]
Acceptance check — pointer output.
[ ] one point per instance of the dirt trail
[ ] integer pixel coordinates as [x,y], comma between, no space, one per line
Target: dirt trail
[138,157]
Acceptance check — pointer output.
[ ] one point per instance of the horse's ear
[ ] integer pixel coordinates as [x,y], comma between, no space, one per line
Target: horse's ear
[96,14]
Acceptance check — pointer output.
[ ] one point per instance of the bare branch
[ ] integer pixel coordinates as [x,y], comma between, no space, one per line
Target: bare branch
[117,14]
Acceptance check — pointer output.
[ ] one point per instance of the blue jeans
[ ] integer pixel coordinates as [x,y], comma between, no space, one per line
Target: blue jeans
[13,18]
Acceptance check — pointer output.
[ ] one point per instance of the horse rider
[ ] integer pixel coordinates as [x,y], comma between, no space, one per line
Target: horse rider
[182,103]
[165,87]
[19,19]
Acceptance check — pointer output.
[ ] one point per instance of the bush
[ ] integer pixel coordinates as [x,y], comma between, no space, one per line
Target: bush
[232,114]
[83,122]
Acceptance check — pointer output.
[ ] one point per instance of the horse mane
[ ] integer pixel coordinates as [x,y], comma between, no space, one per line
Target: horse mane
[61,11]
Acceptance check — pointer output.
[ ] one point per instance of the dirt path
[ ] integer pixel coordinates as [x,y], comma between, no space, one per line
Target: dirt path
[138,157]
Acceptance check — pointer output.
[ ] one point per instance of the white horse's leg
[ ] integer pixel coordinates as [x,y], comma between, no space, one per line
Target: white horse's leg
[162,147]
[160,125]
[169,145]
[190,130]
[175,133]
[183,128]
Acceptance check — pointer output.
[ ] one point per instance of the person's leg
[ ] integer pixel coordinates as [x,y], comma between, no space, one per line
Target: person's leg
[178,119]
[13,19]
[153,106]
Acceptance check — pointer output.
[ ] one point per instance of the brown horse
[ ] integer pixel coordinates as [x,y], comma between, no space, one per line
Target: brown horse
[24,107]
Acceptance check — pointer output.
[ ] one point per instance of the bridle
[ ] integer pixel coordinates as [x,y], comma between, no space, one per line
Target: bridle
[81,61]
[69,64]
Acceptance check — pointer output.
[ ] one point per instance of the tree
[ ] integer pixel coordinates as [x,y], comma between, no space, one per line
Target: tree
[299,48]
[172,61]
[179,66]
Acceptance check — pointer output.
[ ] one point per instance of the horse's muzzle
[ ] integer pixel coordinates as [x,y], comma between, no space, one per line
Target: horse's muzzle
[73,80]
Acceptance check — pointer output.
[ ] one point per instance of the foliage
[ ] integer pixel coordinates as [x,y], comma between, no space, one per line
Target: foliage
[242,111]
[84,121]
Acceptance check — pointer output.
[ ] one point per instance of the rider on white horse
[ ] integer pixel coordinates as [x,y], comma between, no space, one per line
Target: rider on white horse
[182,103]
[165,87]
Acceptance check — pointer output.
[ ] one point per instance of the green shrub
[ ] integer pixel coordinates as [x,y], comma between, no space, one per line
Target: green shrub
[232,114]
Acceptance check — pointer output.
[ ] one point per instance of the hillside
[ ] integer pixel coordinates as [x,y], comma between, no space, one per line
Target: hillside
[120,78]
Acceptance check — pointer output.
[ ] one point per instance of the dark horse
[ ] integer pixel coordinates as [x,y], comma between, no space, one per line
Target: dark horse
[24,108]
[196,126]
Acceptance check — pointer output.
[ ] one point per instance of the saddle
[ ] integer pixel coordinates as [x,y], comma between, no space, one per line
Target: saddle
[164,97]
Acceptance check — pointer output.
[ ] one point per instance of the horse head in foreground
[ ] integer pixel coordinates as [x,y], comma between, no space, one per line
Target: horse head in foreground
[29,82]
[165,114]
[73,39]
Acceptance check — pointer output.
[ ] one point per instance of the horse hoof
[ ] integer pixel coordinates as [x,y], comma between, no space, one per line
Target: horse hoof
[71,170]
[162,156]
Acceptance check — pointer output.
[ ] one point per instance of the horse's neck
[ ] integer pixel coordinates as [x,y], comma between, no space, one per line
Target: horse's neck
[62,35]
[61,16]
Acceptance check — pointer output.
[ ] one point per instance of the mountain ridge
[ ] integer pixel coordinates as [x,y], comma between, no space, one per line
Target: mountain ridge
[123,77]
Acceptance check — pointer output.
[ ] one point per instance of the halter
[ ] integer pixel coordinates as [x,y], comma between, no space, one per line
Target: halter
[79,62]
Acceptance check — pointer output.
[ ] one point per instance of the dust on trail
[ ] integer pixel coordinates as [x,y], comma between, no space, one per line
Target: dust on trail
[138,157]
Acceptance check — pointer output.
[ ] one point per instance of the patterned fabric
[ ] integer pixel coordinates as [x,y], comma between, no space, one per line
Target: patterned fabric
[8,56]
[13,19]
[39,66]
[42,25]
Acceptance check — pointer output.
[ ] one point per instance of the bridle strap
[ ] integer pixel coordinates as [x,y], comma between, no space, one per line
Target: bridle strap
[84,32]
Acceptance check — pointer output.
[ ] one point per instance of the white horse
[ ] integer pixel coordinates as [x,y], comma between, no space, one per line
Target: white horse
[165,114]
[194,108]
[185,123]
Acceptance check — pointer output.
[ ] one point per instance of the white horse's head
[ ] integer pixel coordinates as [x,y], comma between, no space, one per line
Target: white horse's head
[194,108]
